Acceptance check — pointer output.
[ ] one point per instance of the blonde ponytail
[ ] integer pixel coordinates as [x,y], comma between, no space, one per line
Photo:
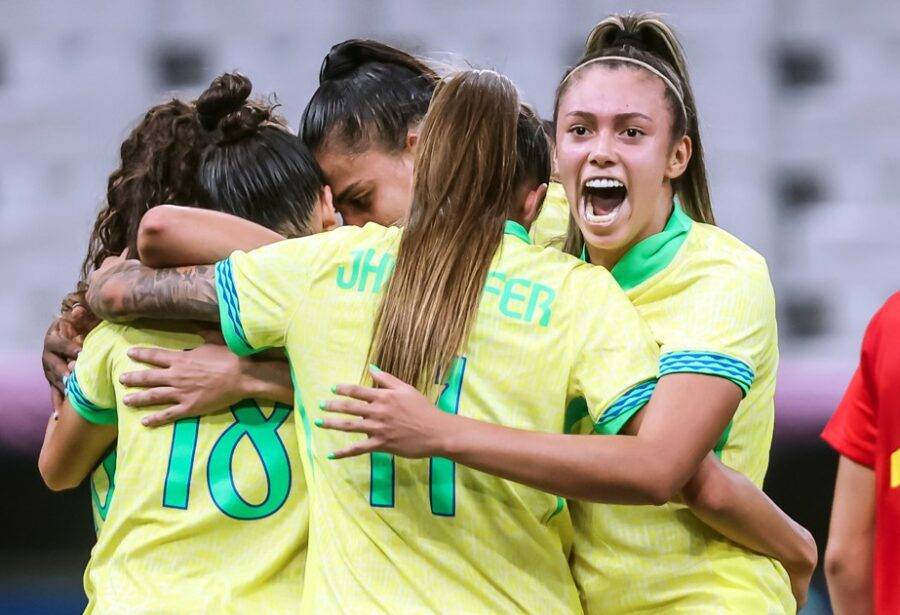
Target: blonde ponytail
[465,176]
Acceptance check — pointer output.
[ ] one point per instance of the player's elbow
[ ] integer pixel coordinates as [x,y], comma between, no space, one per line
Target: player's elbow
[658,484]
[661,492]
[55,476]
[842,562]
[157,225]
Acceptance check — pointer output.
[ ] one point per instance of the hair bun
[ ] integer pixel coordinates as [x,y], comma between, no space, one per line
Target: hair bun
[224,107]
[631,39]
[349,55]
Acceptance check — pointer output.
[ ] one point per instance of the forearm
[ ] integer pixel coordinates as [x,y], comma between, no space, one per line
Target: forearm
[171,236]
[268,379]
[649,468]
[631,471]
[849,557]
[731,504]
[71,448]
[130,290]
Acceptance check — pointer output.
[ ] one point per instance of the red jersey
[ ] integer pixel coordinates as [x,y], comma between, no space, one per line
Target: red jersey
[866,428]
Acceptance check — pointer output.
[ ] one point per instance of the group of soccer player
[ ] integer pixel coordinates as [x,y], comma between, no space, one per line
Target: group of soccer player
[492,389]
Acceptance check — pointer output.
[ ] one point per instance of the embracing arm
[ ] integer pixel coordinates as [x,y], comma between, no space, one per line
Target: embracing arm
[123,290]
[678,431]
[734,506]
[72,446]
[676,434]
[205,380]
[668,456]
[171,236]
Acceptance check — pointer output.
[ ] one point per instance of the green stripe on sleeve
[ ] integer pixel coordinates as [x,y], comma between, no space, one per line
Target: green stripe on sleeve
[626,406]
[88,410]
[708,363]
[230,311]
[723,440]
[575,412]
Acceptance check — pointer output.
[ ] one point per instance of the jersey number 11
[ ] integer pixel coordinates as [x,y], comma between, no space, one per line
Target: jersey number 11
[441,471]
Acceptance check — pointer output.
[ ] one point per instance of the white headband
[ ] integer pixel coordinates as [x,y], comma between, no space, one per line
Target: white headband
[643,65]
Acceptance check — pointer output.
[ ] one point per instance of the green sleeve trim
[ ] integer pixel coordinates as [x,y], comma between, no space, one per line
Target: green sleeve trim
[88,410]
[230,311]
[626,406]
[720,445]
[708,363]
[575,412]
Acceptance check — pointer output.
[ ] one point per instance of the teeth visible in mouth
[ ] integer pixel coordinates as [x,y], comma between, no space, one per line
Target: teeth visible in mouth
[605,182]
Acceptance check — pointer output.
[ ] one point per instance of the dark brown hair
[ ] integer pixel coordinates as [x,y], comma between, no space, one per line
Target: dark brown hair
[369,94]
[477,146]
[255,168]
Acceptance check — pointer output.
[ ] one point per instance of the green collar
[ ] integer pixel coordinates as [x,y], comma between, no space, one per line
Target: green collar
[516,230]
[653,254]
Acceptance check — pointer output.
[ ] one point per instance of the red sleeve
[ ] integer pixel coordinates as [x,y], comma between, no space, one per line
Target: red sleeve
[851,431]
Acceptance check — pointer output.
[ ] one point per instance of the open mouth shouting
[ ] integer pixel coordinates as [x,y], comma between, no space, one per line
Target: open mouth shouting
[601,200]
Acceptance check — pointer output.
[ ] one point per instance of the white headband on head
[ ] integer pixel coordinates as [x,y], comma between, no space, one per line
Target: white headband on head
[643,65]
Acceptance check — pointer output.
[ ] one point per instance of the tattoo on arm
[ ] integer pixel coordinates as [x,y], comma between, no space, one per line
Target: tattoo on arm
[180,293]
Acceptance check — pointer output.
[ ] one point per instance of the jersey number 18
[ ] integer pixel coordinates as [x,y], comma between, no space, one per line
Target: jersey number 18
[249,422]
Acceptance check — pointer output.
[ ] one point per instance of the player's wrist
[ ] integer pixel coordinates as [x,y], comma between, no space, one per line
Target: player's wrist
[447,438]
[265,380]
[249,382]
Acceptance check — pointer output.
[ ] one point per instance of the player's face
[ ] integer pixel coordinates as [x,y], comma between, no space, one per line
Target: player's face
[373,185]
[614,153]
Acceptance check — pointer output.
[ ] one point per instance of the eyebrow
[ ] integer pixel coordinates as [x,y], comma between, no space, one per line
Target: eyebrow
[633,115]
[619,116]
[346,192]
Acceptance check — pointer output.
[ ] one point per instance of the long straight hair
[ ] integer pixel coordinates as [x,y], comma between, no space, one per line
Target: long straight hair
[463,188]
[646,37]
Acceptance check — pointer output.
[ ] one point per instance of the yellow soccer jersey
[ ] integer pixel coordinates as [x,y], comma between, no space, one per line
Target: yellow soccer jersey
[207,515]
[549,230]
[708,299]
[410,536]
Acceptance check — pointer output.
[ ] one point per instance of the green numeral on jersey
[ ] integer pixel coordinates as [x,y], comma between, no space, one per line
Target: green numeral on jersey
[262,432]
[181,463]
[109,468]
[441,471]
[249,422]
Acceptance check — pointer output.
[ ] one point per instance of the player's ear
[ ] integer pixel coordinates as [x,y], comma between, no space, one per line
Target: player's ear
[679,157]
[532,206]
[412,138]
[325,205]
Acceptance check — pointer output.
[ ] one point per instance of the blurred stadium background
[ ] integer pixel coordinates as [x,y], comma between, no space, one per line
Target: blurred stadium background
[800,110]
